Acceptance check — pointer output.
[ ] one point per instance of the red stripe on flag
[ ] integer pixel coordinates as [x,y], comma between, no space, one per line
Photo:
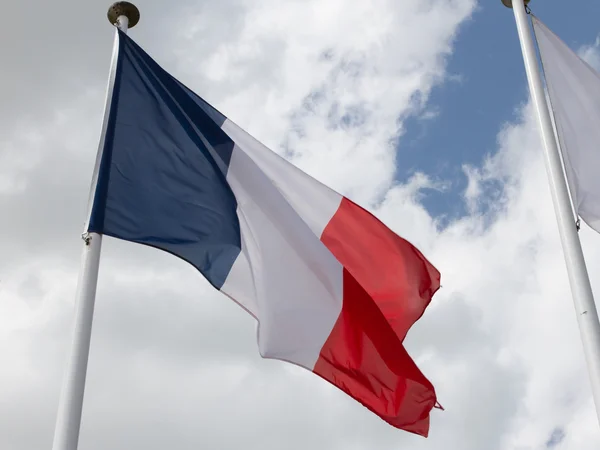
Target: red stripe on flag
[393,272]
[388,284]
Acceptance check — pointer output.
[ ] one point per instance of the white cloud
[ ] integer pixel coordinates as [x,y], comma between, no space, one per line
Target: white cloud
[591,54]
[174,364]
[332,79]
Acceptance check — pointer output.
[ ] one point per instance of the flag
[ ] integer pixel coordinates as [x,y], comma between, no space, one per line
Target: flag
[333,289]
[573,88]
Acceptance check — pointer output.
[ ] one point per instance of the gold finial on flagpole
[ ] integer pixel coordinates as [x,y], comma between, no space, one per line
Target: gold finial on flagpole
[508,3]
[126,9]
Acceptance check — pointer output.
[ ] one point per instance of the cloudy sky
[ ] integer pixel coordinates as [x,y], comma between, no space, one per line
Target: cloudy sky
[418,110]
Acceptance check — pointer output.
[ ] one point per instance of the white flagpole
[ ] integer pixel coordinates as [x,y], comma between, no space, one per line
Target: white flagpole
[583,299]
[124,15]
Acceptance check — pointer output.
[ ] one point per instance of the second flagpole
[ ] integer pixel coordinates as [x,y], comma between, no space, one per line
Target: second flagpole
[123,15]
[583,299]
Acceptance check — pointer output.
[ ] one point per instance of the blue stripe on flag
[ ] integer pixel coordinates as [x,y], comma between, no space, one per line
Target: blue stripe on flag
[162,178]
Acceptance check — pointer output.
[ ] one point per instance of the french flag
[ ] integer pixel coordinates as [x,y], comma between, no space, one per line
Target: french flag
[333,289]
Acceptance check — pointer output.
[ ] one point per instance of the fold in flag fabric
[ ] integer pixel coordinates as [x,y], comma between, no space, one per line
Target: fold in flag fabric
[573,88]
[332,288]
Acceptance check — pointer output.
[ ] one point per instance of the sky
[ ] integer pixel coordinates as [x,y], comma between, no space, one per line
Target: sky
[417,110]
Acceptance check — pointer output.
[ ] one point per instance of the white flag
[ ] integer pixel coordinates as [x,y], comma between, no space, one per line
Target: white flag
[574,91]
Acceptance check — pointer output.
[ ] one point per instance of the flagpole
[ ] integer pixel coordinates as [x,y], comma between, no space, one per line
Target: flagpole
[123,15]
[583,299]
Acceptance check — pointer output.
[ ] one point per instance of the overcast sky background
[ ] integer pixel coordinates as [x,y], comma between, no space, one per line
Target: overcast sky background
[418,110]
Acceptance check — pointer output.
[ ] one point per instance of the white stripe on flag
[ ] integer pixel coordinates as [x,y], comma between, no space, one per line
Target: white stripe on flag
[284,275]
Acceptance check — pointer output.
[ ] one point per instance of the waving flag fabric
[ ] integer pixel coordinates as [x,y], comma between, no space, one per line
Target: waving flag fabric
[333,289]
[573,87]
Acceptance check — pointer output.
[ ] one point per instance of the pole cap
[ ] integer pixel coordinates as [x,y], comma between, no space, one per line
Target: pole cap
[508,3]
[126,9]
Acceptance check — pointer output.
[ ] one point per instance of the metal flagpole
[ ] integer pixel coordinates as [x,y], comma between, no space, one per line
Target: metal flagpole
[583,299]
[123,15]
